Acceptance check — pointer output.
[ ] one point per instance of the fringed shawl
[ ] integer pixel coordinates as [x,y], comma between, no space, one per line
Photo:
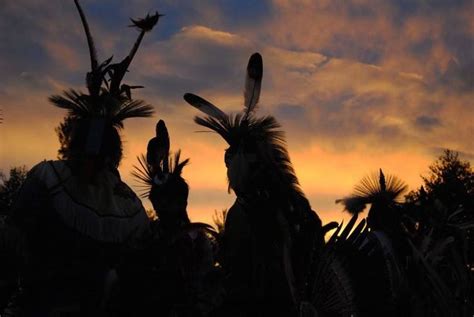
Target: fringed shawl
[106,210]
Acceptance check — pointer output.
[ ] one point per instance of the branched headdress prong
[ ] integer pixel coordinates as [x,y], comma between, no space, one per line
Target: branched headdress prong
[90,40]
[117,71]
[96,76]
[108,98]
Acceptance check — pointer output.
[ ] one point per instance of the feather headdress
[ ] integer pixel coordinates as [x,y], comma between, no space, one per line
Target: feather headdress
[245,130]
[108,100]
[147,177]
[157,168]
[372,189]
[159,177]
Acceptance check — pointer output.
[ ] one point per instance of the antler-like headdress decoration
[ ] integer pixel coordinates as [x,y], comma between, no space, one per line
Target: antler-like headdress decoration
[108,101]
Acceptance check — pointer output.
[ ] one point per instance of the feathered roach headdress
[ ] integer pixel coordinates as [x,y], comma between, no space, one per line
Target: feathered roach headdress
[372,189]
[161,181]
[108,102]
[157,169]
[245,130]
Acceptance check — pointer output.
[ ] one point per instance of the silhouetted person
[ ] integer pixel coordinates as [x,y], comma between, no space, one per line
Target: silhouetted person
[178,262]
[271,229]
[76,213]
[380,285]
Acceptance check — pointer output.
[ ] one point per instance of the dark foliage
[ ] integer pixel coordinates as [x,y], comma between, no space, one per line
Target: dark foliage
[451,181]
[440,219]
[415,260]
[9,187]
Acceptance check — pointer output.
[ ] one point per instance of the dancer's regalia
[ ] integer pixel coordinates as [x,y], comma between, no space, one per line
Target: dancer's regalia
[379,278]
[179,259]
[403,266]
[270,231]
[76,213]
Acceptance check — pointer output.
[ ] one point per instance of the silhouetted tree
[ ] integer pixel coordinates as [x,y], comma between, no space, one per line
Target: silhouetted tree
[9,187]
[451,181]
[64,133]
[451,172]
[443,211]
[446,199]
[10,241]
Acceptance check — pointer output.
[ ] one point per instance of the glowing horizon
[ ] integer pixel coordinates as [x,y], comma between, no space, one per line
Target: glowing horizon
[356,86]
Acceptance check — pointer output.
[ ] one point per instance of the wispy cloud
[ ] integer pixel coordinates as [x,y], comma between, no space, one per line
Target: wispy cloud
[357,85]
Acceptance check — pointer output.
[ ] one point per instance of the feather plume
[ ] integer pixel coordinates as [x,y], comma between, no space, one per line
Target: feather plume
[146,24]
[176,167]
[118,70]
[157,152]
[132,109]
[345,233]
[204,106]
[163,137]
[382,183]
[81,105]
[145,174]
[253,83]
[271,140]
[353,204]
[77,103]
[330,289]
[261,137]
[373,188]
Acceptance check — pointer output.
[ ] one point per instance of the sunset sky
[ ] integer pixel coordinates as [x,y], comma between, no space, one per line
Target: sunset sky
[357,85]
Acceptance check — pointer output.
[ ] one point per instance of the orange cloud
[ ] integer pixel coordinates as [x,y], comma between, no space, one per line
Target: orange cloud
[417,37]
[346,80]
